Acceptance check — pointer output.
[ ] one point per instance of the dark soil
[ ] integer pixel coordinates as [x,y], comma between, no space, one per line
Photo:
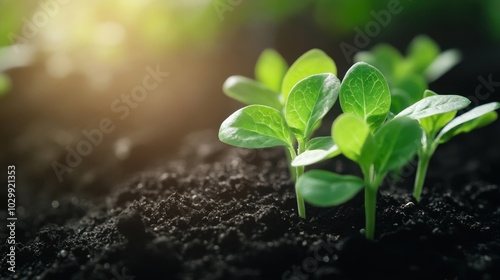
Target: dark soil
[218,212]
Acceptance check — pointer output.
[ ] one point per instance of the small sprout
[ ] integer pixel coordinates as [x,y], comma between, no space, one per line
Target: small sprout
[266,123]
[436,114]
[275,80]
[408,77]
[363,135]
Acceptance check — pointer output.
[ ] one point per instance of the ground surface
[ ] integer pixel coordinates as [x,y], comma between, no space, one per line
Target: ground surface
[224,213]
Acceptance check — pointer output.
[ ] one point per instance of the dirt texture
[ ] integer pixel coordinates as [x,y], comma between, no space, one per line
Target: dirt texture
[217,212]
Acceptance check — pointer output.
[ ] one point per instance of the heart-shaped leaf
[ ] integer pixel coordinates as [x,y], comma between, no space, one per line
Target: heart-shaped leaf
[322,188]
[309,101]
[365,93]
[256,126]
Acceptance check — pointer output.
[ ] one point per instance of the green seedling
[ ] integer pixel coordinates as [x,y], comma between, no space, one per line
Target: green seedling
[287,106]
[260,126]
[275,80]
[409,76]
[436,114]
[363,135]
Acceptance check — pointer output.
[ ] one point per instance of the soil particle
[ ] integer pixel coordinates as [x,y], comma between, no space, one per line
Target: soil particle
[217,212]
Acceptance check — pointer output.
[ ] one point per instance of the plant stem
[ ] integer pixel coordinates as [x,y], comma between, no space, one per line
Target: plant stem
[372,183]
[298,171]
[423,165]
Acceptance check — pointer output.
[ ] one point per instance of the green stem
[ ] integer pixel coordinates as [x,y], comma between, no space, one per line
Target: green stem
[301,207]
[423,165]
[371,187]
[370,211]
[299,170]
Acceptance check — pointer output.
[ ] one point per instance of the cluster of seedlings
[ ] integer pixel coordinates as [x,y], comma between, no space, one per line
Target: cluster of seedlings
[388,117]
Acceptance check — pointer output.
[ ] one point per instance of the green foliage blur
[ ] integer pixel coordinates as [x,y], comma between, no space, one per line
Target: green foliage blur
[167,22]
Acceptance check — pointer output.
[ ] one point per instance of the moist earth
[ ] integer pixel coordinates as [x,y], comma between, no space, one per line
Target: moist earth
[217,212]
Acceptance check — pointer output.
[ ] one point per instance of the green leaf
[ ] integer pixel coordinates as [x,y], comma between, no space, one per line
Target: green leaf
[270,69]
[398,141]
[312,62]
[459,124]
[353,136]
[442,64]
[256,126]
[422,51]
[322,188]
[434,123]
[320,143]
[250,92]
[309,101]
[317,149]
[477,123]
[432,105]
[365,93]
[4,84]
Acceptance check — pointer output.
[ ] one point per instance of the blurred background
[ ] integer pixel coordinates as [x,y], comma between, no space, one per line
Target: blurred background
[67,65]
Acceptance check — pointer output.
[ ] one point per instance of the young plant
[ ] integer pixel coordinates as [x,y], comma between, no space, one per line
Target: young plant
[437,119]
[261,126]
[363,135]
[409,76]
[275,80]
